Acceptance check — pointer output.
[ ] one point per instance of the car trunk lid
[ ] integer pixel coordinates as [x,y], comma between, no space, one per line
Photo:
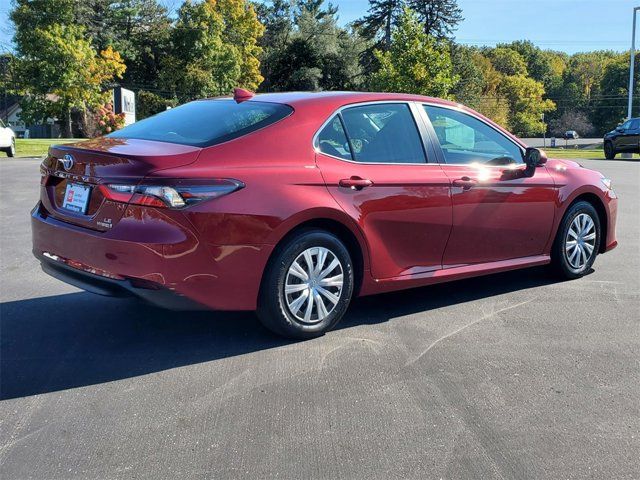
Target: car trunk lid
[81,168]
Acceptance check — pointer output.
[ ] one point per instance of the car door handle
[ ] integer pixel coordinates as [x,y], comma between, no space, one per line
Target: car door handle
[465,182]
[355,183]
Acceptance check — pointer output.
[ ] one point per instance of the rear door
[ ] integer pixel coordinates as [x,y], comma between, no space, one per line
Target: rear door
[380,170]
[498,213]
[629,138]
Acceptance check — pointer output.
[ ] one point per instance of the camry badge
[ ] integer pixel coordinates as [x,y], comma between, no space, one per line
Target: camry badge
[67,162]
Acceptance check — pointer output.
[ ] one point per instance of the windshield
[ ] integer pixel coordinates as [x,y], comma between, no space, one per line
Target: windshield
[205,122]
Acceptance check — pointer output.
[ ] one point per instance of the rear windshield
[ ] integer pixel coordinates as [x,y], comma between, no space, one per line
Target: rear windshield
[205,122]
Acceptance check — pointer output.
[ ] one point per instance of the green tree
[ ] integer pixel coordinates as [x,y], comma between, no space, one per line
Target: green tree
[525,97]
[313,53]
[439,18]
[610,109]
[491,103]
[470,82]
[380,20]
[214,48]
[415,63]
[587,69]
[149,103]
[507,61]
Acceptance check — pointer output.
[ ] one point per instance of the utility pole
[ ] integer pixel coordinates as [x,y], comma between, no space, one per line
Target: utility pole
[632,63]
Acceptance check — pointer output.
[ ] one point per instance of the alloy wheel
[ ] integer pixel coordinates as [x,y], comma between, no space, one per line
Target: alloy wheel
[580,241]
[313,285]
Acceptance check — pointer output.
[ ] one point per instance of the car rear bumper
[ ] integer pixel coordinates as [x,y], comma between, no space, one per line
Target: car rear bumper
[102,285]
[154,255]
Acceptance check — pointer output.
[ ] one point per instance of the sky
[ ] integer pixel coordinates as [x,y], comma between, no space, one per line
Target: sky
[566,25]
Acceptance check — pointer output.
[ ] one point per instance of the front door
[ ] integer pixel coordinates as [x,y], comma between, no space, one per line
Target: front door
[498,213]
[375,164]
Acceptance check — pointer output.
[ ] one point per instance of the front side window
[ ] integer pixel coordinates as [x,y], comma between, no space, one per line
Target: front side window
[332,140]
[206,122]
[635,125]
[465,139]
[383,133]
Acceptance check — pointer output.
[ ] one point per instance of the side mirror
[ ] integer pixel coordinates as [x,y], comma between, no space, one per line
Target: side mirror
[533,158]
[619,128]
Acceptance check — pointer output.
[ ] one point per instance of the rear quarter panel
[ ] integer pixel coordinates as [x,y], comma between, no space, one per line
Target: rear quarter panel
[283,189]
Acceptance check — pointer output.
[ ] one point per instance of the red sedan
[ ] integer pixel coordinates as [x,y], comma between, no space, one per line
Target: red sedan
[292,204]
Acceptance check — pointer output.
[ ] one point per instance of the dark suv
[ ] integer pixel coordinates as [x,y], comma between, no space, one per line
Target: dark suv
[625,138]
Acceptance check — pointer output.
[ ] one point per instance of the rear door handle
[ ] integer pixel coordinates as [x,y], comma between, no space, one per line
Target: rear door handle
[355,183]
[465,182]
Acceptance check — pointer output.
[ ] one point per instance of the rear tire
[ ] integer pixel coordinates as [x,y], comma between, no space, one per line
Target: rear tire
[290,285]
[609,151]
[577,242]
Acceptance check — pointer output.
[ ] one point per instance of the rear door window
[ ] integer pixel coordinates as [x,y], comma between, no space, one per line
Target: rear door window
[206,122]
[383,133]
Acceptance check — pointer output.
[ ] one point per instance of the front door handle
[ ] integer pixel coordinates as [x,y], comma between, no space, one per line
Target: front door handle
[355,183]
[465,182]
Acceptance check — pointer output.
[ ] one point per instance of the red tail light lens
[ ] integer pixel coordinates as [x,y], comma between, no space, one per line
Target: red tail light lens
[179,195]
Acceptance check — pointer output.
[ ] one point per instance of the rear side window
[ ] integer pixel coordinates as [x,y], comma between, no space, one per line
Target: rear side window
[332,140]
[383,133]
[206,122]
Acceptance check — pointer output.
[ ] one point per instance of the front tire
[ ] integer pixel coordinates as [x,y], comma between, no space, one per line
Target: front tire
[577,242]
[11,149]
[307,286]
[609,151]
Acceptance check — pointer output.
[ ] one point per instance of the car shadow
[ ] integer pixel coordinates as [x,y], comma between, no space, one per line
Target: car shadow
[66,341]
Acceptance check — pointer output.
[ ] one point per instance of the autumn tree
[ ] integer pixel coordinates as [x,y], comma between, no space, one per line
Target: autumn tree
[58,68]
[415,63]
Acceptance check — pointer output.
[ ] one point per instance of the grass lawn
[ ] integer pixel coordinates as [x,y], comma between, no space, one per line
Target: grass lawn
[36,147]
[578,153]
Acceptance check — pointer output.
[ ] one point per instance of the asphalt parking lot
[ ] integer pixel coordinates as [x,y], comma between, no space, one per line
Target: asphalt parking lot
[509,376]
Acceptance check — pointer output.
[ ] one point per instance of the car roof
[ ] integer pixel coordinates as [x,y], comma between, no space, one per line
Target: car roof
[336,99]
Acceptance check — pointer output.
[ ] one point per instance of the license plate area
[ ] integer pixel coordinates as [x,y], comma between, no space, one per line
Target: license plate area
[76,198]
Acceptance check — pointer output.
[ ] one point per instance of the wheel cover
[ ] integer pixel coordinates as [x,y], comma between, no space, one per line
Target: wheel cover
[580,242]
[313,285]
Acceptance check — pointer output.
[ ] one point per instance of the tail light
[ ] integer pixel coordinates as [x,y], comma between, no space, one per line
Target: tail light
[181,194]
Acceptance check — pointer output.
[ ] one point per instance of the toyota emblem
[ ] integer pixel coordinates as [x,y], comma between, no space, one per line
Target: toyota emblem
[67,162]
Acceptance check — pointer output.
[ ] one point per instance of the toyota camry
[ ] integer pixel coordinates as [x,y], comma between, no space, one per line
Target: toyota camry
[293,204]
